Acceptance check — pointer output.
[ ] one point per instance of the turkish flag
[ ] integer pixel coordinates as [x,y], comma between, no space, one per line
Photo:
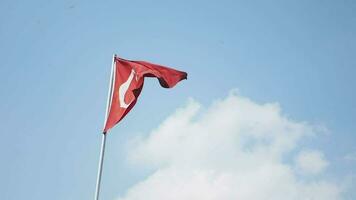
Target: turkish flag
[127,82]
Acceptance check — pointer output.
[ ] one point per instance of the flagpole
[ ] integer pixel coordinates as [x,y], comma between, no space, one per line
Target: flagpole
[103,141]
[100,168]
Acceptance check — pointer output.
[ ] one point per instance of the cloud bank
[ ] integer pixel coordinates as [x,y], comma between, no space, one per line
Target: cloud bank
[234,149]
[311,162]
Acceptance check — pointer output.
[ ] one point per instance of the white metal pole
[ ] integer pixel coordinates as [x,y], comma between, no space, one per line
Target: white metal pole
[100,169]
[103,142]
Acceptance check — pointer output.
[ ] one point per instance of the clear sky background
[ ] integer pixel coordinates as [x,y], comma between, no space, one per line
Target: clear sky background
[55,66]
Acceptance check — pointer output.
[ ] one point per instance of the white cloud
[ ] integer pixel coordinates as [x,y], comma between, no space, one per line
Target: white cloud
[350,156]
[235,149]
[311,162]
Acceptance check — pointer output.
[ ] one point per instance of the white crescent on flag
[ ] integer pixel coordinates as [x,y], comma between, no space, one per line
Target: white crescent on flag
[123,89]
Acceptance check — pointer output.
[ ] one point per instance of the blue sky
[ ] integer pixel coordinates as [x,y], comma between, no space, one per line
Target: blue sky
[55,65]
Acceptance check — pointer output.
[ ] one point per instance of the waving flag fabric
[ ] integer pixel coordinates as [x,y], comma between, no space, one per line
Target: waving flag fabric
[127,82]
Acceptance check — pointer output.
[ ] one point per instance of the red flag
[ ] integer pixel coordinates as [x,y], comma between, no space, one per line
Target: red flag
[127,82]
